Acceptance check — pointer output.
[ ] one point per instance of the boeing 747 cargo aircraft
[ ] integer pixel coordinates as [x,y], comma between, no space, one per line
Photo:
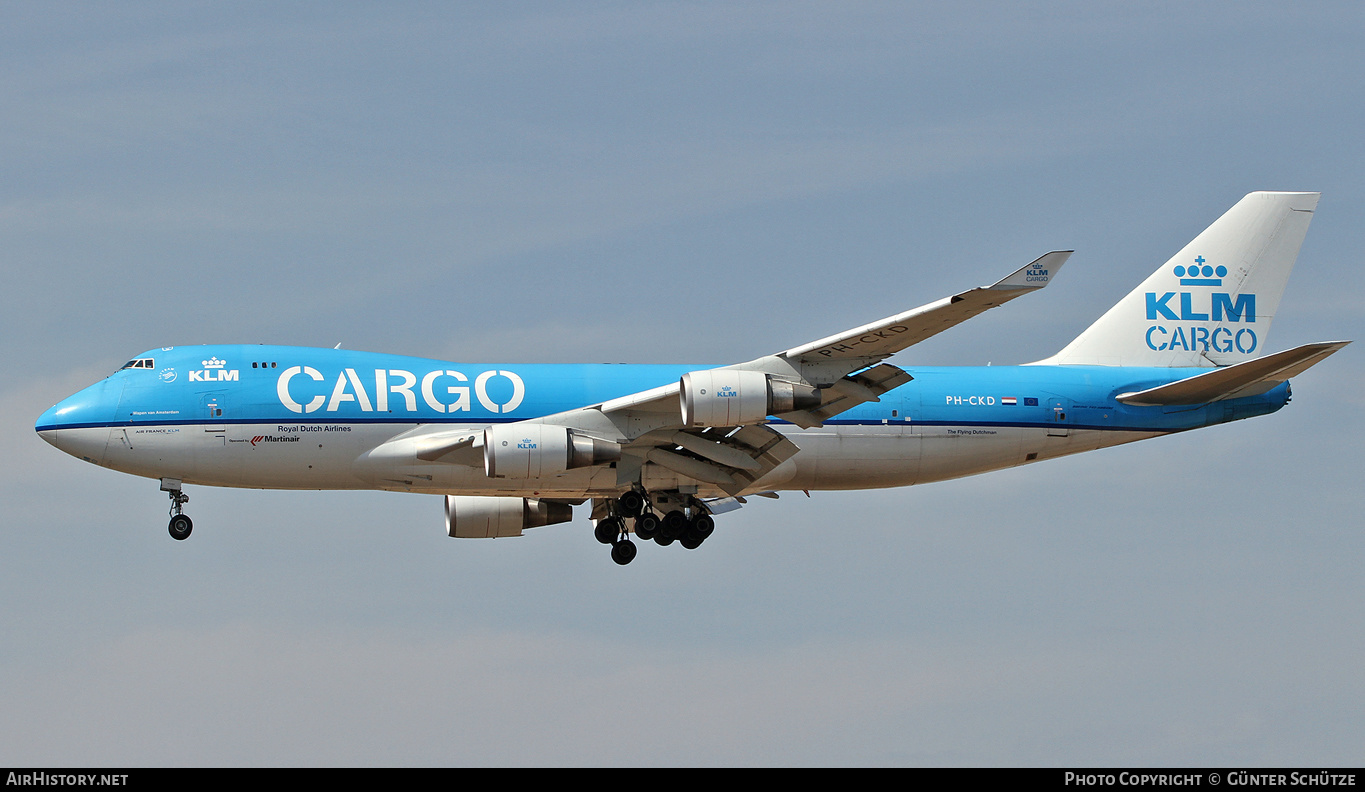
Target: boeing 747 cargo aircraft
[659,450]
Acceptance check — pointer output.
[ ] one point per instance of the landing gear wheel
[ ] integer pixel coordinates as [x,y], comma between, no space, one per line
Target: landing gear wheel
[623,552]
[703,525]
[646,526]
[608,530]
[630,504]
[180,527]
[673,525]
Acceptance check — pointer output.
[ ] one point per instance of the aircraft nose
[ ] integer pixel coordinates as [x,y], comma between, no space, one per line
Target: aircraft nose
[79,424]
[46,424]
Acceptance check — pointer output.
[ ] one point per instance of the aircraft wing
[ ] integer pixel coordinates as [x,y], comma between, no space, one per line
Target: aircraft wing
[830,363]
[826,362]
[729,445]
[711,425]
[878,340]
[832,375]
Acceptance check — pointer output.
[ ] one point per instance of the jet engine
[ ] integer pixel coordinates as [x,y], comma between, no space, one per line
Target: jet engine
[473,517]
[534,450]
[728,397]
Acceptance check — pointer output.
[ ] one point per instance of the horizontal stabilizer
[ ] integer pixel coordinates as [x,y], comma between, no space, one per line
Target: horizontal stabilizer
[1251,378]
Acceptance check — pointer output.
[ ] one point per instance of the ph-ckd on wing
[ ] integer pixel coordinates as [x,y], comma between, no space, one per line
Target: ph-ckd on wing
[870,343]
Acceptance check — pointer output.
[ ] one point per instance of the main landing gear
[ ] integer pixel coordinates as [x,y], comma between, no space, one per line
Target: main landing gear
[181,525]
[685,520]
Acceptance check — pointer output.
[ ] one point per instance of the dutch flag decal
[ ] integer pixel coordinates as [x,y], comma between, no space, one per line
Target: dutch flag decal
[1009,400]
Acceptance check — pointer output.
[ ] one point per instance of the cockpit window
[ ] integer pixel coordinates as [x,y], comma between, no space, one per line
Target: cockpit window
[142,363]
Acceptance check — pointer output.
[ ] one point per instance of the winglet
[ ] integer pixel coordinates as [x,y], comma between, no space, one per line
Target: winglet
[1035,275]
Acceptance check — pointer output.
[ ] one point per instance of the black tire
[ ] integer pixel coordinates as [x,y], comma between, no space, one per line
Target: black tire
[703,525]
[623,552]
[691,540]
[673,525]
[608,530]
[646,526]
[180,527]
[630,504]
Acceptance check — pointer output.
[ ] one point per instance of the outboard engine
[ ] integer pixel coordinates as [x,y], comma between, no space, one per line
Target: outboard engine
[728,397]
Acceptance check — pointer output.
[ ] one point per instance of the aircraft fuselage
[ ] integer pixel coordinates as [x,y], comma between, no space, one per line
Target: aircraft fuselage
[299,418]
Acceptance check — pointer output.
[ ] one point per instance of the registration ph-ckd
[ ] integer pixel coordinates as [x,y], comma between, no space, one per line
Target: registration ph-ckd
[66,779]
[1133,779]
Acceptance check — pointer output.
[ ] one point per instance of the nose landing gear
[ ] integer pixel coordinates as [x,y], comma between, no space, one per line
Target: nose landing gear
[181,525]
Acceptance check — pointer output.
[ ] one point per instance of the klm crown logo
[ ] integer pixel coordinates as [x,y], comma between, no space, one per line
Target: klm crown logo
[214,363]
[1201,274]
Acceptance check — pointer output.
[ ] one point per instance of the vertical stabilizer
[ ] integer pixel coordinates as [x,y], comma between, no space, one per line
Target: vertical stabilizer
[1212,303]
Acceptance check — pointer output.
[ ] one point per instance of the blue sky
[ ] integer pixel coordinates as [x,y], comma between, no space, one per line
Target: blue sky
[674,182]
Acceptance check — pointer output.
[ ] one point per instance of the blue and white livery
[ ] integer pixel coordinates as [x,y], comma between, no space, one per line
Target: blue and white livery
[659,449]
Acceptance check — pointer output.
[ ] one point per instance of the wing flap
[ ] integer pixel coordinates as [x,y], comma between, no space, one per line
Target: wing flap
[1250,378]
[699,469]
[732,461]
[717,451]
[848,393]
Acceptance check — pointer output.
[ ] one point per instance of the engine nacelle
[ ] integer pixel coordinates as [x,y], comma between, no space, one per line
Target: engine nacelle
[535,450]
[472,517]
[727,397]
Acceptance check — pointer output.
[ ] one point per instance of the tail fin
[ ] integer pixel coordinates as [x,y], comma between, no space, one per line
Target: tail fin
[1212,303]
